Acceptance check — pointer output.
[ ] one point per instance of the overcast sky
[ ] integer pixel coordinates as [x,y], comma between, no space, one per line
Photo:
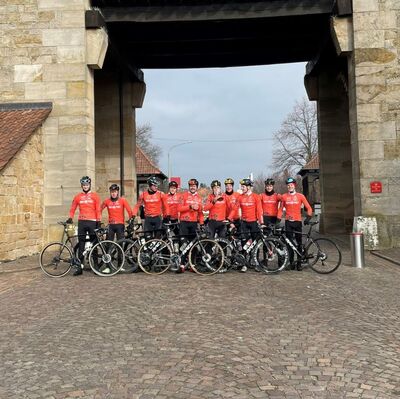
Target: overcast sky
[219,104]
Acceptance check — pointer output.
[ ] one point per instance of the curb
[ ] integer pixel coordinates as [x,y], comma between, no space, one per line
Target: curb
[379,255]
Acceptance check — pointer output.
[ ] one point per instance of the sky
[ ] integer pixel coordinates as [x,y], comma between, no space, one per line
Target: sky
[244,103]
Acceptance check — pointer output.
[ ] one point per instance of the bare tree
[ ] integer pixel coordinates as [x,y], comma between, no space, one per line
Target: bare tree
[259,183]
[280,182]
[296,142]
[144,135]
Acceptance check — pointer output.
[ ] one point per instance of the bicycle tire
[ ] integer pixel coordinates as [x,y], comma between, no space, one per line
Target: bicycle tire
[154,256]
[206,257]
[130,248]
[55,259]
[228,250]
[106,258]
[271,255]
[323,256]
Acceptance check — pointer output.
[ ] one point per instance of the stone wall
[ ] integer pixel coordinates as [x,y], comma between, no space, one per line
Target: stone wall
[21,201]
[43,57]
[375,113]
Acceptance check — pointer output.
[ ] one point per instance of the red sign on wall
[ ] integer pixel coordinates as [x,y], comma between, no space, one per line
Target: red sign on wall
[376,187]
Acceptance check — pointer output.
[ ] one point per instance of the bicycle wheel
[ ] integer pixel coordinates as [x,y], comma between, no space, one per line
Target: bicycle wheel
[154,256]
[106,258]
[206,257]
[271,255]
[56,259]
[323,256]
[130,249]
[228,251]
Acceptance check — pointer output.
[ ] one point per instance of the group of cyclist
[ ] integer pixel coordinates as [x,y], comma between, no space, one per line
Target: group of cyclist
[244,211]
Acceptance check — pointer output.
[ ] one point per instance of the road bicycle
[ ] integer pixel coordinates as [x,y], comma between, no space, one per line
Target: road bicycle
[264,254]
[320,254]
[205,256]
[130,244]
[106,258]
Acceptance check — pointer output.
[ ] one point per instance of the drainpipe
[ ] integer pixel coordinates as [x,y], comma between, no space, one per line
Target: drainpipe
[121,130]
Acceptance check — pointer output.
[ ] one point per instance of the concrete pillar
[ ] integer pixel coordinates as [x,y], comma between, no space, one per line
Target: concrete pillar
[374,91]
[115,125]
[334,153]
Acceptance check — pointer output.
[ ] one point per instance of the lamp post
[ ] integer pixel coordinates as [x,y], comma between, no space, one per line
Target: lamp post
[171,148]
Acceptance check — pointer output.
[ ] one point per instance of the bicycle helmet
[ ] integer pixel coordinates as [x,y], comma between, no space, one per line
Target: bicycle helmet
[173,184]
[228,180]
[246,182]
[269,182]
[114,187]
[215,183]
[290,180]
[194,182]
[86,180]
[152,181]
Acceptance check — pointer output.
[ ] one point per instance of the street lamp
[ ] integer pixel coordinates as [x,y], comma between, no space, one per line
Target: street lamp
[171,148]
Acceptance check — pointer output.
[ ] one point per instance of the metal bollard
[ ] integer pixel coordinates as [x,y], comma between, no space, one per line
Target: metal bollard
[357,249]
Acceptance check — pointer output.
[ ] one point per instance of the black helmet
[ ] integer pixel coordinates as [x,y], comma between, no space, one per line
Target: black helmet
[86,180]
[152,181]
[173,184]
[228,180]
[114,187]
[192,182]
[269,182]
[215,183]
[246,182]
[290,180]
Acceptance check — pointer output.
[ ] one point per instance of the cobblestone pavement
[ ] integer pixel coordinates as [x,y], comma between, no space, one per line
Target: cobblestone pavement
[293,335]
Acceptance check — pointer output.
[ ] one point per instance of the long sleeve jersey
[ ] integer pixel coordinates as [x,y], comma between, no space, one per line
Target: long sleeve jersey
[116,210]
[270,204]
[173,203]
[292,203]
[250,206]
[187,214]
[218,210]
[155,204]
[89,206]
[231,202]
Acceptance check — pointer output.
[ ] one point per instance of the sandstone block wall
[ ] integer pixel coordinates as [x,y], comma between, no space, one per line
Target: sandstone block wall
[375,113]
[43,47]
[21,201]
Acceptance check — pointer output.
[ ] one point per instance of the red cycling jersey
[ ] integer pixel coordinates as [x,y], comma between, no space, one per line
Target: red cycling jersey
[154,204]
[218,209]
[270,203]
[116,210]
[187,214]
[89,206]
[250,205]
[173,203]
[231,201]
[292,203]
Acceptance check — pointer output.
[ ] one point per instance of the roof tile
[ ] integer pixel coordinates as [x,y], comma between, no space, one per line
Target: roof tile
[144,166]
[17,123]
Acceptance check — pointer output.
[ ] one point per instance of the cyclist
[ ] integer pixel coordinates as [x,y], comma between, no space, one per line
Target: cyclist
[217,206]
[292,202]
[116,207]
[155,206]
[270,202]
[173,198]
[191,212]
[251,209]
[88,219]
[231,200]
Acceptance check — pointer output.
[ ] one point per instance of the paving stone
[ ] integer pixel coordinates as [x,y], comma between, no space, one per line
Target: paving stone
[182,336]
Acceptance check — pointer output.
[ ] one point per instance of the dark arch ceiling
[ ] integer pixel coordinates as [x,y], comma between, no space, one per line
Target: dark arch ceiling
[197,34]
